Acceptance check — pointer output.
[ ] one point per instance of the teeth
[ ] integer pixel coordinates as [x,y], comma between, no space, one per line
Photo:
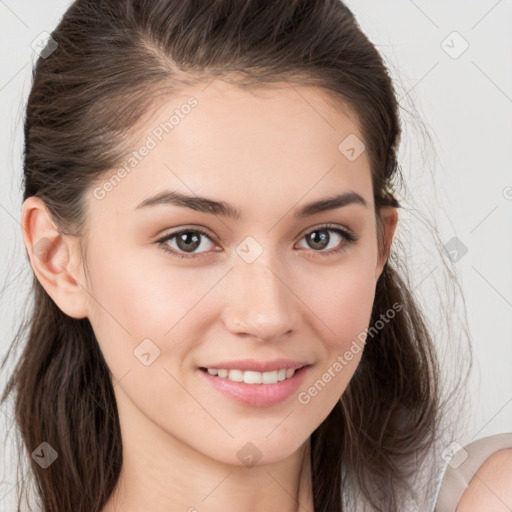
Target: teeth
[236,375]
[250,377]
[269,377]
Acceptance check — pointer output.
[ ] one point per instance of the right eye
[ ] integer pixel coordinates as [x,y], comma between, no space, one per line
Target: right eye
[186,242]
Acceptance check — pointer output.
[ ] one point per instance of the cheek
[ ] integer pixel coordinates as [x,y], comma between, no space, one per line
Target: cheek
[342,306]
[347,305]
[140,296]
[133,301]
[343,299]
[125,306]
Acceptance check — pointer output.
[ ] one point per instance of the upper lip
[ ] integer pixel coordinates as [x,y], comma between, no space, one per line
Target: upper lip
[258,366]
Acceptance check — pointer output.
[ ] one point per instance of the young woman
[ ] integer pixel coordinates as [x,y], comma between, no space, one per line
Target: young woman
[208,212]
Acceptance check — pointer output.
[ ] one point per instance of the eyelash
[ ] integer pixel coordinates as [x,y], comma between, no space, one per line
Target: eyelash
[347,235]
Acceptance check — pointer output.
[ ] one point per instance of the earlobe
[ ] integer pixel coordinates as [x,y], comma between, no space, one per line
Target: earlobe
[54,258]
[389,221]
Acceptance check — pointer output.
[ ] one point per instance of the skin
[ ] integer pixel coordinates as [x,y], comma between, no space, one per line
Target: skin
[490,490]
[267,152]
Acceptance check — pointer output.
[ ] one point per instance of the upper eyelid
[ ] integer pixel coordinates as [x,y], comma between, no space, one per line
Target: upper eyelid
[202,231]
[205,231]
[326,226]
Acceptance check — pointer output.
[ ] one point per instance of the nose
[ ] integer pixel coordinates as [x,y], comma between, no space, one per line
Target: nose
[260,301]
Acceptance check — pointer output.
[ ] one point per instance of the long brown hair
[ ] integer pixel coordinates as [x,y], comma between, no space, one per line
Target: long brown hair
[113,59]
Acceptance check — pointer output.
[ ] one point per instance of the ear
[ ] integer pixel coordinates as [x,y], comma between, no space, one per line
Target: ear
[386,225]
[54,257]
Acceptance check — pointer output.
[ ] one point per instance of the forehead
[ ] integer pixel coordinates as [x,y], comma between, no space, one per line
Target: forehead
[273,114]
[277,142]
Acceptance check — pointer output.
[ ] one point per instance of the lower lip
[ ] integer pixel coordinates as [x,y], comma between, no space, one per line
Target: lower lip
[257,395]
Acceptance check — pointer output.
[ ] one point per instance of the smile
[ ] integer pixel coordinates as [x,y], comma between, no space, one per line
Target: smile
[253,388]
[252,377]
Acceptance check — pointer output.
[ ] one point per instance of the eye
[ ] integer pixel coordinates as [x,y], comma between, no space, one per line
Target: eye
[186,241]
[320,239]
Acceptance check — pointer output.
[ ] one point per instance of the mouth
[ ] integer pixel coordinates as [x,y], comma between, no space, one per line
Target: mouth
[252,377]
[254,388]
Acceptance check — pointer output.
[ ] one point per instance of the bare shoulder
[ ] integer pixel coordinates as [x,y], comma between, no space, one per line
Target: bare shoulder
[490,489]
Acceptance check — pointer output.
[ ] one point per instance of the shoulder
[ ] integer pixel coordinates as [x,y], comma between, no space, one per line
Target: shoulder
[477,477]
[490,489]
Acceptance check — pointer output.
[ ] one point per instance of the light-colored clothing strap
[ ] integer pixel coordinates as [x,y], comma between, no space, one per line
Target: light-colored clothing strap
[463,466]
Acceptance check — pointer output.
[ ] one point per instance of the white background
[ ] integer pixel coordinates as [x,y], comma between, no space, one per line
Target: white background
[461,178]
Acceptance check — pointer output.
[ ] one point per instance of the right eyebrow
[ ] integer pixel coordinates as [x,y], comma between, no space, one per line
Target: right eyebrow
[200,204]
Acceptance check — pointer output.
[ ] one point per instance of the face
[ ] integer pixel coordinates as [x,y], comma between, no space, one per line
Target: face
[234,271]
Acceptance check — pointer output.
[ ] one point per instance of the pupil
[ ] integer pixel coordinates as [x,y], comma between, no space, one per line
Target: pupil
[322,240]
[190,240]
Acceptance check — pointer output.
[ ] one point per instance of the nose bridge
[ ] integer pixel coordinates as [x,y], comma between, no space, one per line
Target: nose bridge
[260,302]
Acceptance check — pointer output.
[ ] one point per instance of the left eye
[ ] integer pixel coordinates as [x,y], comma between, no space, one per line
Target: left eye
[320,239]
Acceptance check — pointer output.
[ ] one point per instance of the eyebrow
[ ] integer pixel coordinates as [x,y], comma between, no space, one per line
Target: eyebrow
[221,208]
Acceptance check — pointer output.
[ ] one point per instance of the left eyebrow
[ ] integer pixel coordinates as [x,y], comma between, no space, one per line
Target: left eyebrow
[331,203]
[205,205]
